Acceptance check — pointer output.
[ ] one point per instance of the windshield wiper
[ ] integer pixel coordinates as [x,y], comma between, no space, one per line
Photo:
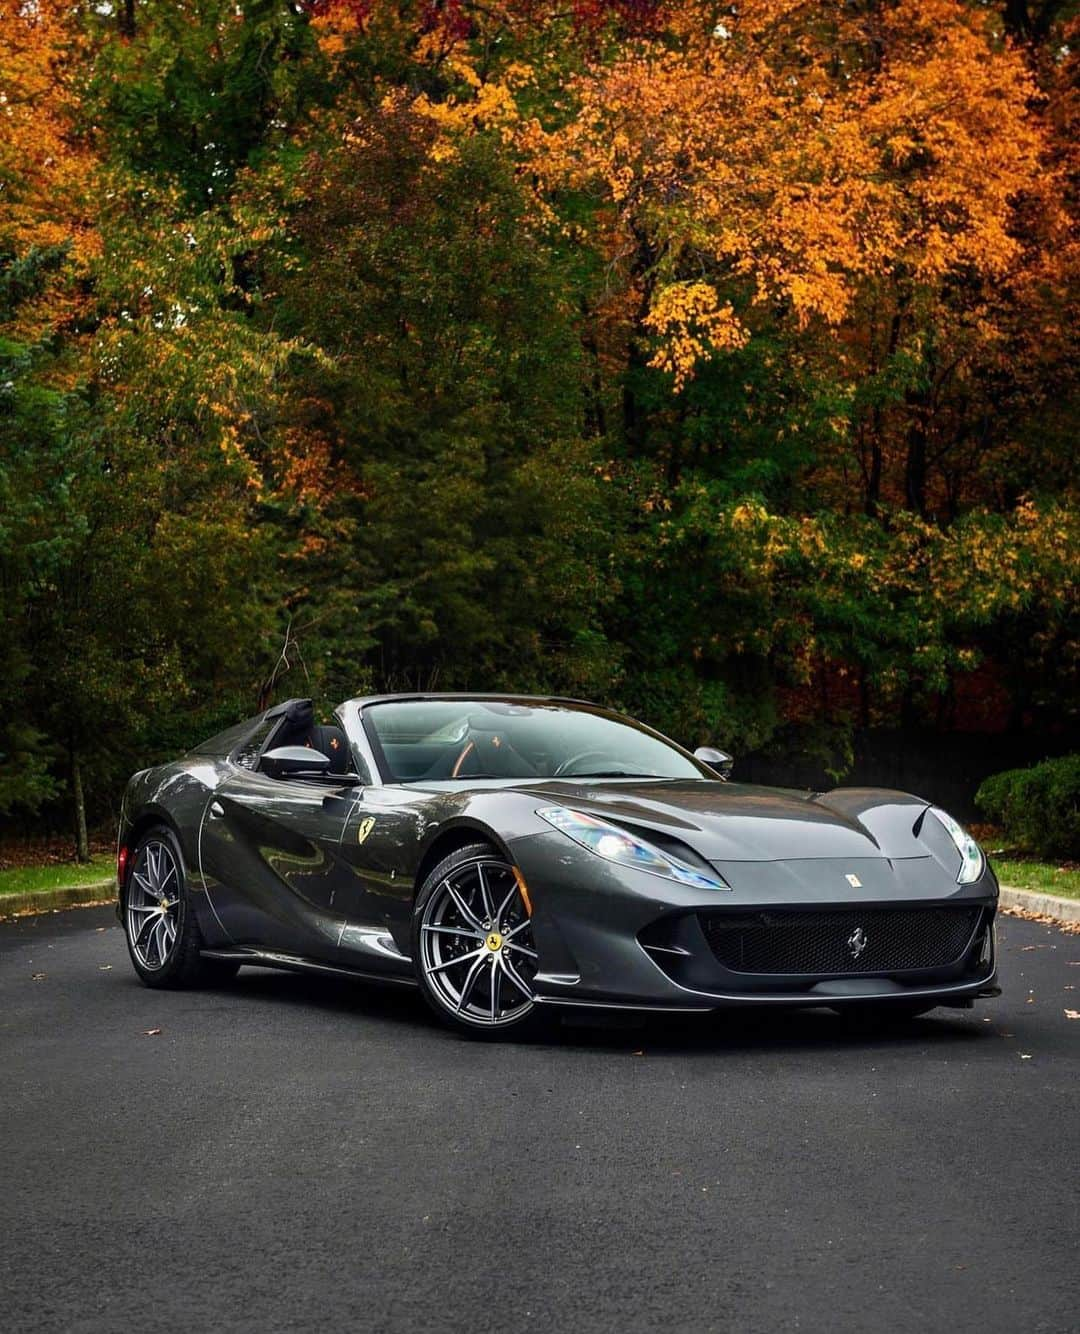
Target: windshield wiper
[615,773]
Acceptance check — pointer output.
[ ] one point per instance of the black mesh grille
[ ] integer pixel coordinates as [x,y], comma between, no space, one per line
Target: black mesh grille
[848,940]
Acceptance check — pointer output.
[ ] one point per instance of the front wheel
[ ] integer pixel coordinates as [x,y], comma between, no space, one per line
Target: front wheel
[473,945]
[159,923]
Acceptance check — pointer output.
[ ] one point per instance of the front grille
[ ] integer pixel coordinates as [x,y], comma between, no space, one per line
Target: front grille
[848,940]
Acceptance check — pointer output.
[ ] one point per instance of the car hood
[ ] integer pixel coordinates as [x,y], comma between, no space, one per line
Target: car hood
[740,822]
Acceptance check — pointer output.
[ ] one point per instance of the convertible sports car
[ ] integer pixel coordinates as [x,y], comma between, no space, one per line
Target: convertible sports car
[512,856]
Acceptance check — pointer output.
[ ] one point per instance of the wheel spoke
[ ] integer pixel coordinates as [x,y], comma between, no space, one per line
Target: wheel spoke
[461,958]
[521,949]
[507,901]
[466,990]
[463,907]
[515,977]
[145,930]
[439,929]
[485,896]
[143,883]
[494,987]
[144,907]
[516,930]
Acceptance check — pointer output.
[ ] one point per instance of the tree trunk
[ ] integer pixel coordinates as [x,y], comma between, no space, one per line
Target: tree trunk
[82,842]
[127,18]
[635,425]
[915,469]
[877,419]
[593,389]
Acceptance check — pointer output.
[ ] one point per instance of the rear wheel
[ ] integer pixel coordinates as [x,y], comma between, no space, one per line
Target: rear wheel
[473,945]
[159,923]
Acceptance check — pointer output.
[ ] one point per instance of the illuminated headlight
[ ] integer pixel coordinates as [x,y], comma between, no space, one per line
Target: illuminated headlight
[617,845]
[971,857]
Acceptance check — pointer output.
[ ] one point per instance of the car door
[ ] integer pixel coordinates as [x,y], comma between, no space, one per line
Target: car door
[380,845]
[270,856]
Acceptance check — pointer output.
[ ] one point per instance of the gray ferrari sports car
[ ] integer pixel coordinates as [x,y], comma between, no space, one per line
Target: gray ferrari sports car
[515,857]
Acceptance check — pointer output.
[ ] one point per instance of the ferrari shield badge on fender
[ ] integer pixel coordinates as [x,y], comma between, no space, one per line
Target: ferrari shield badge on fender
[853,881]
[364,828]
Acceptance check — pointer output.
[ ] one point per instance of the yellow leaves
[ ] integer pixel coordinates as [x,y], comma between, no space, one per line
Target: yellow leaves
[694,325]
[476,104]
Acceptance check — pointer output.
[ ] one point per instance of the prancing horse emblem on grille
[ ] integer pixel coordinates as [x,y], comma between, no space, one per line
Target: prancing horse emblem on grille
[857,942]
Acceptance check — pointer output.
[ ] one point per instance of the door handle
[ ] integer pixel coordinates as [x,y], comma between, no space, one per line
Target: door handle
[216,810]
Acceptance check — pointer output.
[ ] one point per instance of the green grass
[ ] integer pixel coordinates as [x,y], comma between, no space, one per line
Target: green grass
[1044,877]
[65,875]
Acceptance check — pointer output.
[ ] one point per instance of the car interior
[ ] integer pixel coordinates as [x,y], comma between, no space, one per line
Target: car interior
[299,728]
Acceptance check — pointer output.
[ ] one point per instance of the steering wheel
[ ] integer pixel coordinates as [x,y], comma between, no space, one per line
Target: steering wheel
[574,760]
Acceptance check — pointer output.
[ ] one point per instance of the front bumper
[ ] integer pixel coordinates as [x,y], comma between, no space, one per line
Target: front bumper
[612,937]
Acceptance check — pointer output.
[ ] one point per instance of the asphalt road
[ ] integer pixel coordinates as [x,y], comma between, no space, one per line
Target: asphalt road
[290,1153]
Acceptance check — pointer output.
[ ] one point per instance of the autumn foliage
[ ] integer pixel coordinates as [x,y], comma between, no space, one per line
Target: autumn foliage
[715,361]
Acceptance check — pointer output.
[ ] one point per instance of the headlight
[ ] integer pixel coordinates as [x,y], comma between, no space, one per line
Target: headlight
[616,845]
[971,857]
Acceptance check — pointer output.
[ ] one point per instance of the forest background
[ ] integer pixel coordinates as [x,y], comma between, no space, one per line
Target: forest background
[717,362]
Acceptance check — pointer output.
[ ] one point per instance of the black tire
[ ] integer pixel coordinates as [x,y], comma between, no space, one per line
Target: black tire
[437,919]
[173,959]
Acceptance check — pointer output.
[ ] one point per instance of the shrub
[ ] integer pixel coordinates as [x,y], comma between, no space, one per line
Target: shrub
[1038,808]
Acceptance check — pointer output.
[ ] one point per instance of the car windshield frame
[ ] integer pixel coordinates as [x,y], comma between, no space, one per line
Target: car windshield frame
[684,766]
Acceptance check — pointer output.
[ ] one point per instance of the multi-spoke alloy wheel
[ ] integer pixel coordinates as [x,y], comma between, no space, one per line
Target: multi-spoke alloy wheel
[474,946]
[153,904]
[159,921]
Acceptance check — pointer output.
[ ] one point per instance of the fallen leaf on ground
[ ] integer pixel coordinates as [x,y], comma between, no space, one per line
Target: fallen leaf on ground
[1072,1014]
[37,977]
[1024,948]
[639,1053]
[1070,928]
[1025,1056]
[104,967]
[151,1032]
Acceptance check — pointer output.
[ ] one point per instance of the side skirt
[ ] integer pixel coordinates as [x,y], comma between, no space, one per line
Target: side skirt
[295,964]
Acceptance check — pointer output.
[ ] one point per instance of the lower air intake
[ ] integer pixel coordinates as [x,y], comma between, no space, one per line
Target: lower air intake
[871,940]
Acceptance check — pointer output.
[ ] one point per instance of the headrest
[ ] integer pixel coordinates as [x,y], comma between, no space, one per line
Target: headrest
[300,714]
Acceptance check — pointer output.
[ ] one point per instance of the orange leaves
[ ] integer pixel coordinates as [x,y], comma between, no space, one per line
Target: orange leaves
[43,166]
[45,195]
[748,153]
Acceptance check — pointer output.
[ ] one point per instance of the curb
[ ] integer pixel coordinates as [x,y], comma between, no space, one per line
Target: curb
[1044,905]
[51,900]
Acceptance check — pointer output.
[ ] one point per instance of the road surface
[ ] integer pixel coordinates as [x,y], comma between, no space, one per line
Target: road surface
[294,1153]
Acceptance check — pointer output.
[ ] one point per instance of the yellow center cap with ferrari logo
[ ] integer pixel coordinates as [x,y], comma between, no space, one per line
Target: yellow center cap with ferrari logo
[494,941]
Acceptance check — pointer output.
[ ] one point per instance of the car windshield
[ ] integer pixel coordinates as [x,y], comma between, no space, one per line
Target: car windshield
[448,740]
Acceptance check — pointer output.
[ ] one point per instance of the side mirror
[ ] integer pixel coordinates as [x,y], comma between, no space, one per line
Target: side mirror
[294,762]
[719,760]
